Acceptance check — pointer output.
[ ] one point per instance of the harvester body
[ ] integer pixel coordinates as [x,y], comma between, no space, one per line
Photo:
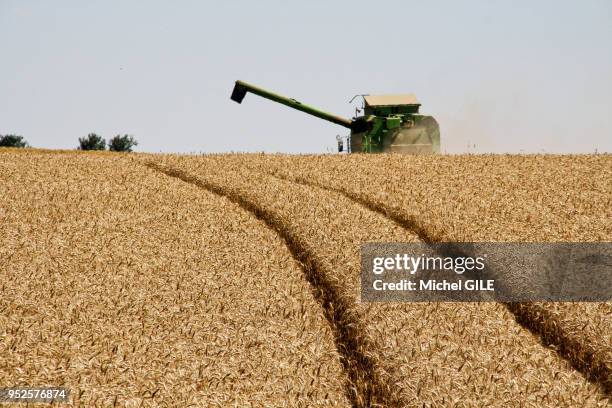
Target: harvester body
[390,123]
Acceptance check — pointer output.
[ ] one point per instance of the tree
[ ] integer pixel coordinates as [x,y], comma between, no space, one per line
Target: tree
[13,141]
[122,143]
[92,142]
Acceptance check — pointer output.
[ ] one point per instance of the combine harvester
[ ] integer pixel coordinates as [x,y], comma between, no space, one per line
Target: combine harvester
[389,124]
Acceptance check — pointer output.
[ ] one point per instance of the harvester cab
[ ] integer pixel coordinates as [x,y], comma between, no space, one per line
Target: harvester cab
[390,123]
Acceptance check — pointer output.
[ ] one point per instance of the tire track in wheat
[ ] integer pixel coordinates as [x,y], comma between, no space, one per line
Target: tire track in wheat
[533,317]
[366,387]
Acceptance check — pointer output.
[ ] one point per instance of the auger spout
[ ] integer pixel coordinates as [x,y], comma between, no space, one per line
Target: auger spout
[241,88]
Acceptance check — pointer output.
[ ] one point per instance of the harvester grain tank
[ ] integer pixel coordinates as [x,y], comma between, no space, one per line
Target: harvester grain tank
[390,123]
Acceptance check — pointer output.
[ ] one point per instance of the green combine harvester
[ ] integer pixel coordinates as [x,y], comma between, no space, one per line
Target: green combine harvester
[389,124]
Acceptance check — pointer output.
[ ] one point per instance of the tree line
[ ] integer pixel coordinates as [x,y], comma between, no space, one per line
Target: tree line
[119,143]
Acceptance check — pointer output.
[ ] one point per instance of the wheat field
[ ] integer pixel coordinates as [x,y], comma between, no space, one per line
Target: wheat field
[136,289]
[233,280]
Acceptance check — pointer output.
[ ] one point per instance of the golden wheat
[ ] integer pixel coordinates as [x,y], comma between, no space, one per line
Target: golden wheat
[465,354]
[489,198]
[538,198]
[148,280]
[134,288]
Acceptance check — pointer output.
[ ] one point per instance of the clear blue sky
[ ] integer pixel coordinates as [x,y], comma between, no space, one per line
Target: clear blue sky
[505,76]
